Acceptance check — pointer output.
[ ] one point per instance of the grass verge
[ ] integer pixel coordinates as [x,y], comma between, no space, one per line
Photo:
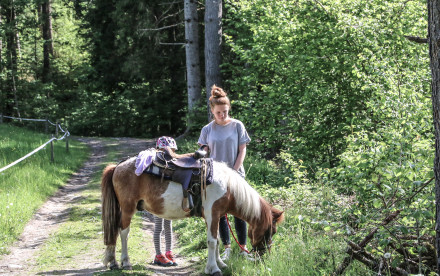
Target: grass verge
[27,185]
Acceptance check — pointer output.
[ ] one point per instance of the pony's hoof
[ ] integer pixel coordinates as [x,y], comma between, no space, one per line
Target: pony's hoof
[221,264]
[213,271]
[127,267]
[114,266]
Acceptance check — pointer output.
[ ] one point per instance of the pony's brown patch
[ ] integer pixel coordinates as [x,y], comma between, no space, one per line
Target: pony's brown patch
[130,189]
[219,209]
[150,189]
[178,156]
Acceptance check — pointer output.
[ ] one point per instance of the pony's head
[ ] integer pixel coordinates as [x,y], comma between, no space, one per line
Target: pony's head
[261,233]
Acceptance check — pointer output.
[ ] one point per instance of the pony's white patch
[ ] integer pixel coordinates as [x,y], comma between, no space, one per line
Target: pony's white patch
[172,205]
[246,198]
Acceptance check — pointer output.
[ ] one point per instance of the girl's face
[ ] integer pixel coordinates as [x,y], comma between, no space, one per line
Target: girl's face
[221,114]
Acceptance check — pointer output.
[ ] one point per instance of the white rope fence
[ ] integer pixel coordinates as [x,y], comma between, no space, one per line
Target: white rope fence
[58,126]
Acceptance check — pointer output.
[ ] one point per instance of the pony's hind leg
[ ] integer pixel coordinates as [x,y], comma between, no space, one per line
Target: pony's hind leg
[125,260]
[109,258]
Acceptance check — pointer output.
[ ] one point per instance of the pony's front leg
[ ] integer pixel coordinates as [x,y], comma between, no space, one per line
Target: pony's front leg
[212,230]
[125,260]
[220,262]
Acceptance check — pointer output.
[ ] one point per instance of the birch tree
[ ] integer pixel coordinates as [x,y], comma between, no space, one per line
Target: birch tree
[192,56]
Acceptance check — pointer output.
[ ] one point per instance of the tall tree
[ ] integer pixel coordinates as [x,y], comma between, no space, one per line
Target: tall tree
[12,106]
[434,48]
[46,19]
[192,56]
[1,60]
[213,41]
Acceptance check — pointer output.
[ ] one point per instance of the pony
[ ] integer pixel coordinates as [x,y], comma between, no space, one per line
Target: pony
[123,193]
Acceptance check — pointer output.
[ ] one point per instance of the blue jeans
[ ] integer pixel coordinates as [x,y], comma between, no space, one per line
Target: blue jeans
[240,229]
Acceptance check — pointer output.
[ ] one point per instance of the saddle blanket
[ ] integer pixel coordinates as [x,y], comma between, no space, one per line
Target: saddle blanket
[144,160]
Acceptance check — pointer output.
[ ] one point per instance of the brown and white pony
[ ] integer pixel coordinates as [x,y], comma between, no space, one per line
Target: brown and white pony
[229,193]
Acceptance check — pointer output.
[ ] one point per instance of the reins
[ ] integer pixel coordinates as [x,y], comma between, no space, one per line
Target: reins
[241,247]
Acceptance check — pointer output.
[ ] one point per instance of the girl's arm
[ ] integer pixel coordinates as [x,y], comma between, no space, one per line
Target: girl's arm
[240,157]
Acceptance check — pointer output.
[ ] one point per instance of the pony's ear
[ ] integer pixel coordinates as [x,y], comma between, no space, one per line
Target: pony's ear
[278,216]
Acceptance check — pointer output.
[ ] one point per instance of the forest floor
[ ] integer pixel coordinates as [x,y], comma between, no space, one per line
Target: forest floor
[24,255]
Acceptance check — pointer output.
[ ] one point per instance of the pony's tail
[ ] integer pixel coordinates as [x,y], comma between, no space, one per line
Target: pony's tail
[111,212]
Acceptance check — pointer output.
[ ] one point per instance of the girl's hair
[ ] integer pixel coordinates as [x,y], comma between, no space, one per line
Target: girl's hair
[218,97]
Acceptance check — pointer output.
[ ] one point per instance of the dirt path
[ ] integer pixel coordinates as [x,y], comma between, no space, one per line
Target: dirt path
[55,211]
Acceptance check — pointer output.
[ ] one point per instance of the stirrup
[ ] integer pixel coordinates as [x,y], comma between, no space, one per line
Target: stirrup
[187,203]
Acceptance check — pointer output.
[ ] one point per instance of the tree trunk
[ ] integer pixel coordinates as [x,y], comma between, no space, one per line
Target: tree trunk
[17,39]
[2,98]
[1,50]
[434,40]
[192,56]
[47,37]
[213,41]
[11,61]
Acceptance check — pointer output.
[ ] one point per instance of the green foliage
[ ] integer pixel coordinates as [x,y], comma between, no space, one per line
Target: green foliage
[25,186]
[317,72]
[295,77]
[384,173]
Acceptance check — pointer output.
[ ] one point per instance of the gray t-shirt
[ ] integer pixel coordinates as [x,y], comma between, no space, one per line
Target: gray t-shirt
[223,141]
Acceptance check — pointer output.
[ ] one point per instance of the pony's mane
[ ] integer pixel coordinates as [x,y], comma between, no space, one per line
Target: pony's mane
[247,200]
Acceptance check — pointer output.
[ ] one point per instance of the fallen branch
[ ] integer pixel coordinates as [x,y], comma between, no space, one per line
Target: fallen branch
[416,39]
[375,265]
[347,260]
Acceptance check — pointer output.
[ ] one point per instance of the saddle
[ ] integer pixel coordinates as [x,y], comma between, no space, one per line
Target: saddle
[186,169]
[167,159]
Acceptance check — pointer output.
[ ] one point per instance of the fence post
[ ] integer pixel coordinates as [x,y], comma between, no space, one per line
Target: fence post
[46,125]
[56,128]
[67,138]
[1,118]
[52,159]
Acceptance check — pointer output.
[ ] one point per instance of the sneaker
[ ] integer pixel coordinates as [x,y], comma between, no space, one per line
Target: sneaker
[226,254]
[162,260]
[247,256]
[170,257]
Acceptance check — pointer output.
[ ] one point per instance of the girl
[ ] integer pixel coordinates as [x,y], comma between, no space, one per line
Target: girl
[168,258]
[226,138]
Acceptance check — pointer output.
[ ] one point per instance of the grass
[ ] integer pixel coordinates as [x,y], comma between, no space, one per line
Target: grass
[25,186]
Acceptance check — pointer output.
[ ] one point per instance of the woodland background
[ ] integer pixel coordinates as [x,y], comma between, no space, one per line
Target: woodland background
[334,94]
